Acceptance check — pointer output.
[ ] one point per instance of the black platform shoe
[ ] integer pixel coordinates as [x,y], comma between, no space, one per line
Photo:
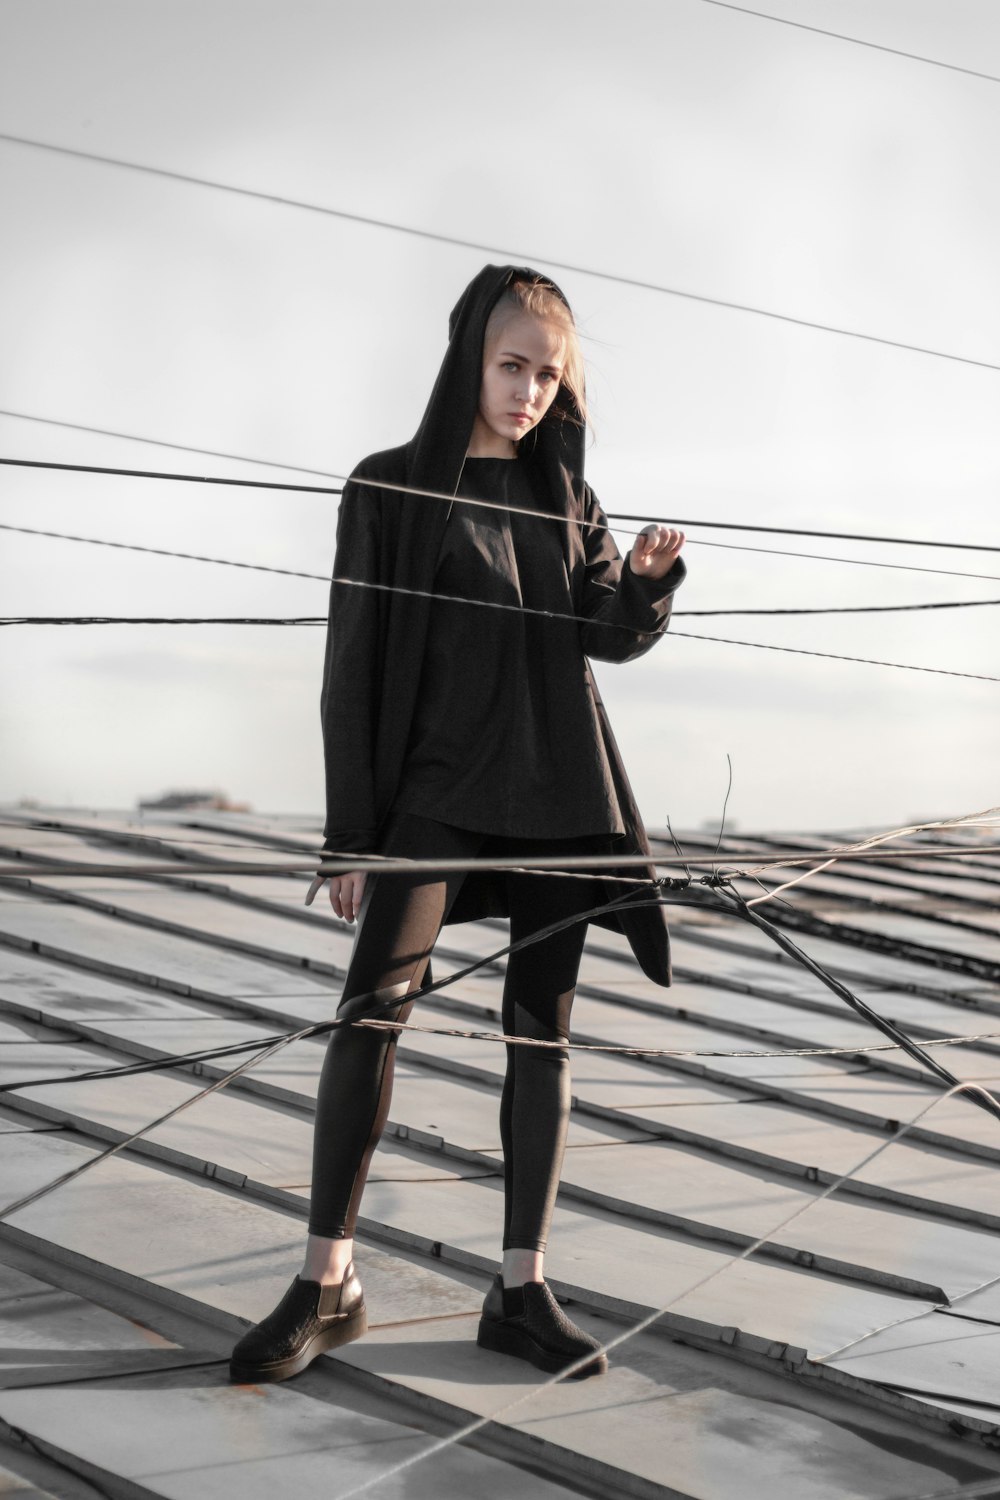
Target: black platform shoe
[309,1319]
[529,1323]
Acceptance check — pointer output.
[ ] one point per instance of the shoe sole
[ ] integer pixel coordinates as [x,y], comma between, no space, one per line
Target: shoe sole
[503,1339]
[343,1332]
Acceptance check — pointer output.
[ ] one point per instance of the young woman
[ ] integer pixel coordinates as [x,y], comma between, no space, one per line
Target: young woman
[458,731]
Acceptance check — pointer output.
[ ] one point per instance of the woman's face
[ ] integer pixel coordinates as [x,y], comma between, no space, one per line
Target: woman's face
[521,374]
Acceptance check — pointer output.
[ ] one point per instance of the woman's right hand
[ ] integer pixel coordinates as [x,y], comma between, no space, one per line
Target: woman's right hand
[345,892]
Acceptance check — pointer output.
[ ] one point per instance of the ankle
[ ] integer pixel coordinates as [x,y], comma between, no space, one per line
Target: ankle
[521,1266]
[326,1261]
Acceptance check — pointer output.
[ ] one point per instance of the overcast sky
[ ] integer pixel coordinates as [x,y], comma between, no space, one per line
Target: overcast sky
[676,142]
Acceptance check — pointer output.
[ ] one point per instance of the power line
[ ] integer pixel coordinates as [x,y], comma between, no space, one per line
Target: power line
[727,899]
[457,599]
[522,609]
[841,609]
[859,562]
[172,1060]
[835,656]
[836,536]
[161,620]
[289,620]
[749,863]
[854,562]
[518,256]
[226,562]
[874,847]
[699,541]
[934,62]
[132,437]
[221,562]
[316,489]
[169,474]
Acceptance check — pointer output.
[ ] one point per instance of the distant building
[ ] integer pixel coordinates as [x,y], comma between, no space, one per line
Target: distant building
[214,801]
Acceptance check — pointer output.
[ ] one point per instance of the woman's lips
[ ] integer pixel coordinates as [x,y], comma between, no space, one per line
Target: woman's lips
[519,416]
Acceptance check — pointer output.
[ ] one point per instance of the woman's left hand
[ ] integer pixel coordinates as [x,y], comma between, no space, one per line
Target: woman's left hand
[655,551]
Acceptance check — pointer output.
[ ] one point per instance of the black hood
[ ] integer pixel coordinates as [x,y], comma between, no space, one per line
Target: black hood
[437,450]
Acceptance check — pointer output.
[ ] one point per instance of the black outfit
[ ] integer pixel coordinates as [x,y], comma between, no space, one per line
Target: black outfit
[376,644]
[453,730]
[505,735]
[399,922]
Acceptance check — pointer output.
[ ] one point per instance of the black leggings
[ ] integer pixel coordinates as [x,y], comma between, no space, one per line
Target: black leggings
[400,918]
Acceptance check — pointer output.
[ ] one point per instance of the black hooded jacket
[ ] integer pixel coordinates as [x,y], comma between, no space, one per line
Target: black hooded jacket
[376,638]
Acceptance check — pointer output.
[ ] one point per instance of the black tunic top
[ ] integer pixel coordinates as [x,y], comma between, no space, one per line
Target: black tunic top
[505,738]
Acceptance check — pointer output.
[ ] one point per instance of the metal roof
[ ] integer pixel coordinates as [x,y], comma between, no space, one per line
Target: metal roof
[857,1353]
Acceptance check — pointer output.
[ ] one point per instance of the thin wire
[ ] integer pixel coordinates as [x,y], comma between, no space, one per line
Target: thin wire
[270,1045]
[677,849]
[839,609]
[735,905]
[836,536]
[774,895]
[440,495]
[132,437]
[346,862]
[112,1150]
[987,817]
[871,661]
[518,256]
[616,1342]
[972,1089]
[611,1344]
[918,852]
[629,1051]
[93,541]
[221,562]
[172,476]
[313,489]
[677,614]
[162,620]
[265,1047]
[865,848]
[342,863]
[522,609]
[869,846]
[725,805]
[858,562]
[934,62]
[169,1061]
[859,1006]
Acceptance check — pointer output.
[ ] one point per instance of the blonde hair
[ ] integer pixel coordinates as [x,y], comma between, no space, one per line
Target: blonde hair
[537,299]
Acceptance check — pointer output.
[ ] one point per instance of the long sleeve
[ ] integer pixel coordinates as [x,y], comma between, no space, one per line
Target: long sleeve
[349,699]
[626,613]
